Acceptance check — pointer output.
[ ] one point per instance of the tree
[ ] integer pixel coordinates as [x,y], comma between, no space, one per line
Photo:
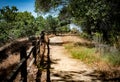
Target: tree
[100,16]
[46,5]
[15,24]
[26,24]
[52,24]
[8,14]
[7,17]
[41,23]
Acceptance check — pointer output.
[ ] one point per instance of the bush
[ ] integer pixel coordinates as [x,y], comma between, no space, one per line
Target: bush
[113,58]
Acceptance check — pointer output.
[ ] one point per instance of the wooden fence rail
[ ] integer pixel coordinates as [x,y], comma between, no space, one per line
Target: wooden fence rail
[24,56]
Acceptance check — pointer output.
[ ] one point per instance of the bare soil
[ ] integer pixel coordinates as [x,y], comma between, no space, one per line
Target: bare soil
[64,67]
[10,56]
[67,69]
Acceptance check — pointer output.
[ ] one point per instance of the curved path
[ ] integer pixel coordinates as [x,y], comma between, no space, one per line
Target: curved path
[66,69]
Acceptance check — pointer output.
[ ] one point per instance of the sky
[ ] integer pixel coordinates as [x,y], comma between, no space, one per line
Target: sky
[22,5]
[72,25]
[27,5]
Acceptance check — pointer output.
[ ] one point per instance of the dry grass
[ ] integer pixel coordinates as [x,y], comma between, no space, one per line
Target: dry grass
[8,65]
[10,57]
[107,71]
[9,61]
[74,39]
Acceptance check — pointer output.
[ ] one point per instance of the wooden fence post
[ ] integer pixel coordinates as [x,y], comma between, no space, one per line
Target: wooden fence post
[23,54]
[48,61]
[34,51]
[38,46]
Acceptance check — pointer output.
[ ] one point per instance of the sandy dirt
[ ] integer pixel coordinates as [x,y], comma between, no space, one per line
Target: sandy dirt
[63,68]
[66,69]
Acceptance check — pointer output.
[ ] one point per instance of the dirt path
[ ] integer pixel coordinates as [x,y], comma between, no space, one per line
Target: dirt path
[65,68]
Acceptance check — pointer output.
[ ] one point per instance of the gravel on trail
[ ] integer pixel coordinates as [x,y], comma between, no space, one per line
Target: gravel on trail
[66,69]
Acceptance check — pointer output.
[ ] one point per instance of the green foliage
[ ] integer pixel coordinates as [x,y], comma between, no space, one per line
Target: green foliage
[64,14]
[84,35]
[4,27]
[52,23]
[26,23]
[63,28]
[100,16]
[8,14]
[113,58]
[15,24]
[41,23]
[46,5]
[96,16]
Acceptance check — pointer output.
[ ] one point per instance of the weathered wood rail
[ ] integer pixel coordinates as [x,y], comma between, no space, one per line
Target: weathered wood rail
[22,67]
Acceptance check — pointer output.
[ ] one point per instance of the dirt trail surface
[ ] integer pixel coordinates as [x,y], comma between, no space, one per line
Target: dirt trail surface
[65,68]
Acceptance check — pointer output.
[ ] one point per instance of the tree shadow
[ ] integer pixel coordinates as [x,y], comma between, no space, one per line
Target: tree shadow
[41,64]
[44,64]
[57,43]
[67,76]
[13,48]
[4,72]
[67,34]
[3,55]
[86,44]
[54,61]
[105,76]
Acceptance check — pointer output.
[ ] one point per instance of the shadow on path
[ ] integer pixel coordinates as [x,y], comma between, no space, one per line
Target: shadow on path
[62,74]
[4,72]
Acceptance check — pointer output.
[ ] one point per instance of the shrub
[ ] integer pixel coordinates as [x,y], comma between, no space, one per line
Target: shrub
[113,58]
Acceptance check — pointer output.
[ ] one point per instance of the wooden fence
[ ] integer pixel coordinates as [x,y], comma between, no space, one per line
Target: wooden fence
[22,67]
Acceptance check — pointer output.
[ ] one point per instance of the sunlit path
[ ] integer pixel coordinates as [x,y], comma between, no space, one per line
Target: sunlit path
[66,69]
